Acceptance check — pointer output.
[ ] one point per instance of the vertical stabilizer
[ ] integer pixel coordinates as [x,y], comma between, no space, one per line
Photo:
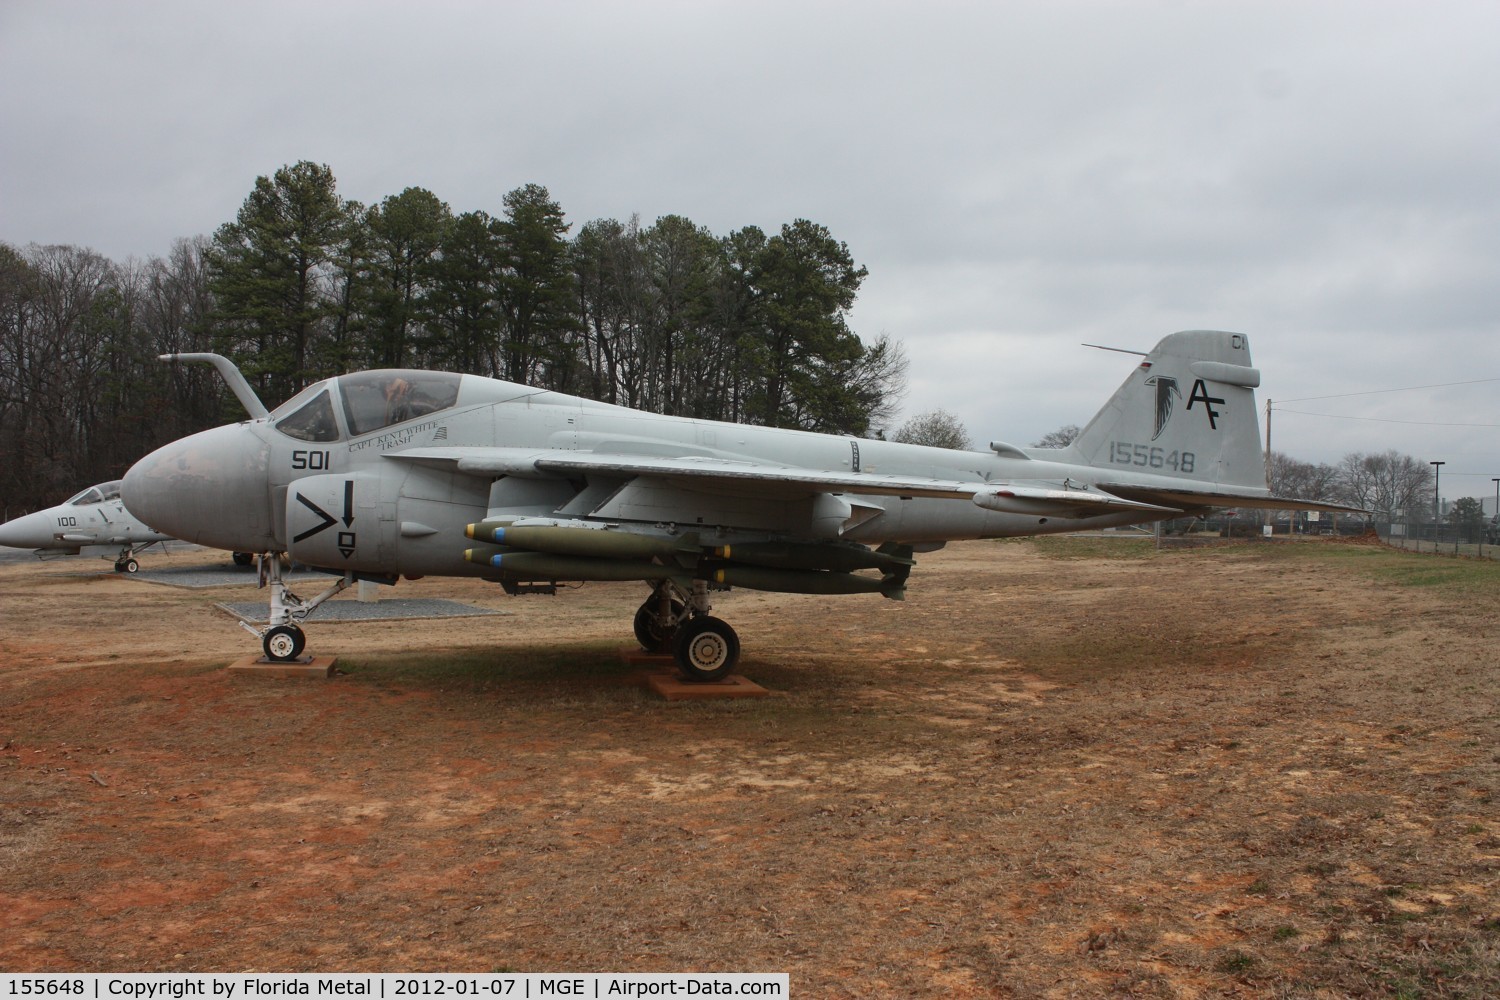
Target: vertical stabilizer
[1187,411]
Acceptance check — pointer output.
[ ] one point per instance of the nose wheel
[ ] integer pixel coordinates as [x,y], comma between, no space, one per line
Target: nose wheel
[283,643]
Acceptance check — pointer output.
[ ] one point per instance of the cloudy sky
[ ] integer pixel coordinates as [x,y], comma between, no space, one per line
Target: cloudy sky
[1019,177]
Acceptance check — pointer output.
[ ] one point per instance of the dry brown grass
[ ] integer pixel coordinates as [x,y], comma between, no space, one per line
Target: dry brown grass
[1259,769]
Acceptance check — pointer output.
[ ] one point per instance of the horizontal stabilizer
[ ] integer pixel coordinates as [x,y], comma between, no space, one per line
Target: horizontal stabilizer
[1039,502]
[1184,498]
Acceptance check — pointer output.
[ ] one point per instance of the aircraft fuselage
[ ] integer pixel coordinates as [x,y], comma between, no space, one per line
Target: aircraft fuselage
[397,499]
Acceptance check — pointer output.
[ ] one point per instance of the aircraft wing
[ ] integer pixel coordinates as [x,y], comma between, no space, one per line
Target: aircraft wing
[760,479]
[690,470]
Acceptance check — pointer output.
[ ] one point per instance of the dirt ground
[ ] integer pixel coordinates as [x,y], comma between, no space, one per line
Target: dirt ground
[1072,768]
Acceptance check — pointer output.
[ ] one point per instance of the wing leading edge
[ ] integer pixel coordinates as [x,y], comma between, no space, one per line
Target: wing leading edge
[704,472]
[792,482]
[758,479]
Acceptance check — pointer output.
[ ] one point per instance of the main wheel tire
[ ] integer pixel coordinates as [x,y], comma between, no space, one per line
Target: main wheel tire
[649,632]
[244,558]
[706,649]
[283,643]
[130,566]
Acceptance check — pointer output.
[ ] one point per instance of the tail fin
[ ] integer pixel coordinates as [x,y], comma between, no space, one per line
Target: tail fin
[1187,412]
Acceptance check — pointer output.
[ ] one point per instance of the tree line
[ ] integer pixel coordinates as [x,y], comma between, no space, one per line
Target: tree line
[1391,485]
[748,327]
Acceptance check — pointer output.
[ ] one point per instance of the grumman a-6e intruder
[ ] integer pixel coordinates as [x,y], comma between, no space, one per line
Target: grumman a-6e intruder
[383,474]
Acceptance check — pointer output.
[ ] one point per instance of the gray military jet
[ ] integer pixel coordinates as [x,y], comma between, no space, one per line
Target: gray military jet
[390,473]
[95,519]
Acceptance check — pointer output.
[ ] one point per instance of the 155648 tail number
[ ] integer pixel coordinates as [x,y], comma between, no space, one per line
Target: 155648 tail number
[1147,457]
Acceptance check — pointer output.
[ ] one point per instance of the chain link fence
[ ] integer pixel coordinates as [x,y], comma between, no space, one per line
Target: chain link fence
[1480,538]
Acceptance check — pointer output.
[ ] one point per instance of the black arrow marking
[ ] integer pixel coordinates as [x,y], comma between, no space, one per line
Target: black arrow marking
[348,502]
[328,519]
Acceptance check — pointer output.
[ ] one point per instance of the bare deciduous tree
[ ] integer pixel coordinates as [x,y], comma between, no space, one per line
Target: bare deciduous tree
[935,428]
[1060,438]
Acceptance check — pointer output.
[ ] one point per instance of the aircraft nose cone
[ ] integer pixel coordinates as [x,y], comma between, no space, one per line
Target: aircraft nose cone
[32,531]
[210,488]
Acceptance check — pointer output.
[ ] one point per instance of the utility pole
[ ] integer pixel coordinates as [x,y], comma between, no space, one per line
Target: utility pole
[1268,448]
[1497,517]
[1437,504]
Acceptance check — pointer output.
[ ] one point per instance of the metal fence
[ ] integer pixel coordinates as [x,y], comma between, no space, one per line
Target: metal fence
[1475,539]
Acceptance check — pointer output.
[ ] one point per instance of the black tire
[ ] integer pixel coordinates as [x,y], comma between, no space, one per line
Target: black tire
[130,566]
[649,633]
[244,558]
[706,649]
[283,643]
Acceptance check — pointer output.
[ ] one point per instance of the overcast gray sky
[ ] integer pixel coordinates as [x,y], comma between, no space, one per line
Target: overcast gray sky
[1019,178]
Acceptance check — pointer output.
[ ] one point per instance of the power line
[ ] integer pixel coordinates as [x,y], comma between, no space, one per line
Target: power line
[1384,420]
[1374,392]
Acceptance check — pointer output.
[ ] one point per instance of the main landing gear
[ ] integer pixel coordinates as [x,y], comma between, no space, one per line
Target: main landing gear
[705,648]
[282,639]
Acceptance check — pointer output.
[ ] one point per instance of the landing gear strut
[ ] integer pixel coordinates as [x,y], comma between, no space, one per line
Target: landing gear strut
[705,648]
[283,639]
[125,561]
[657,620]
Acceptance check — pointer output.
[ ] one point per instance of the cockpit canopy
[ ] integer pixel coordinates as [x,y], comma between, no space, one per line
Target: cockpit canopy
[97,494]
[368,401]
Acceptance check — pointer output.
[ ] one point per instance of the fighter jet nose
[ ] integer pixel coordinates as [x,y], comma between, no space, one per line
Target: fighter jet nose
[31,531]
[210,488]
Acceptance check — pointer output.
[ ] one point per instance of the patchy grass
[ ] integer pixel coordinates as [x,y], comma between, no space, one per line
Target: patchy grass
[1381,563]
[1089,546]
[1242,770]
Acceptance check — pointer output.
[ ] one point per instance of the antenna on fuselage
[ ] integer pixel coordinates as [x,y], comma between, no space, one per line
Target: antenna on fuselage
[231,375]
[1118,350]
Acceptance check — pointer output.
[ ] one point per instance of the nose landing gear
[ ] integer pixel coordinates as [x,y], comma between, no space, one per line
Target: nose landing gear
[282,639]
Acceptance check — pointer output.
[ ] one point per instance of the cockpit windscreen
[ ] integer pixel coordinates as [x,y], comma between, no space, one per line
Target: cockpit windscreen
[97,494]
[377,399]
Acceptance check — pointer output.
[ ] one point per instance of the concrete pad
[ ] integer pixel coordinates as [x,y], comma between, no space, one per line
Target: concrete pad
[307,666]
[673,688]
[635,656]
